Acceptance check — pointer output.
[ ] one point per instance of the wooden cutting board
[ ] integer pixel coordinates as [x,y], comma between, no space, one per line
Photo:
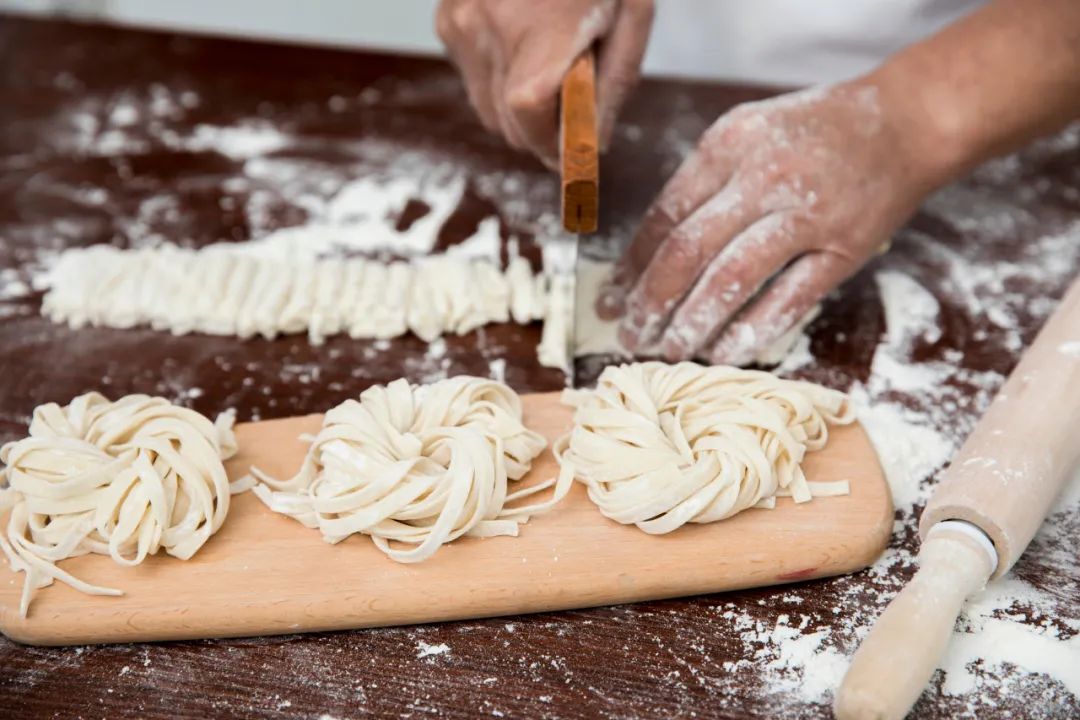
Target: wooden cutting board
[265,574]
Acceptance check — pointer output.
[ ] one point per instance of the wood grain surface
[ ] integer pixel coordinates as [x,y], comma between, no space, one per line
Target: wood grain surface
[72,174]
[266,574]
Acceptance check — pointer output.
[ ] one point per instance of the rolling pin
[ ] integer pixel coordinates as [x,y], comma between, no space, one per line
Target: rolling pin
[986,509]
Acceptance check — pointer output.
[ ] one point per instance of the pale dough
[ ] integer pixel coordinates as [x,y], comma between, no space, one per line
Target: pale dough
[223,290]
[124,479]
[555,348]
[417,466]
[661,445]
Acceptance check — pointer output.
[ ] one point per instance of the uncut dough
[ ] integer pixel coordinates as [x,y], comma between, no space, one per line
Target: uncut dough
[661,445]
[417,465]
[123,479]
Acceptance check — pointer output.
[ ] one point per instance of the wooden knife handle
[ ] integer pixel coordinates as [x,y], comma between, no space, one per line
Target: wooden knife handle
[579,147]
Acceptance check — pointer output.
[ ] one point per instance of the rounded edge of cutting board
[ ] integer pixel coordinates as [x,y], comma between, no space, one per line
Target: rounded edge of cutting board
[594,561]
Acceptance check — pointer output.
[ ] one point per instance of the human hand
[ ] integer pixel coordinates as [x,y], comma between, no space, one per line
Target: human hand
[513,55]
[781,201]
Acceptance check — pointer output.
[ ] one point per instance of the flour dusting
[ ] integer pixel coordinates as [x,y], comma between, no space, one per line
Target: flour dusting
[424,650]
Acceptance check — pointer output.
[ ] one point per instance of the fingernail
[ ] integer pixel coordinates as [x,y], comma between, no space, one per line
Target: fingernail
[628,336]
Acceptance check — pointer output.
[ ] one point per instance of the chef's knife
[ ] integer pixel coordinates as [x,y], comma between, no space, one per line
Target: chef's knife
[579,166]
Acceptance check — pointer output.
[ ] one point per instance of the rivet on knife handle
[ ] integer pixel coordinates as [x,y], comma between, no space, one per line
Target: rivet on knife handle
[579,147]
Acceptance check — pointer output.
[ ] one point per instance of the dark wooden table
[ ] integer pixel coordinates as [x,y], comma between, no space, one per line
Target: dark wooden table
[78,167]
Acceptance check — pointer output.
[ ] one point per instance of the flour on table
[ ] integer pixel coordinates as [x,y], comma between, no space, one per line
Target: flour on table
[998,302]
[988,639]
[911,312]
[357,216]
[425,650]
[908,449]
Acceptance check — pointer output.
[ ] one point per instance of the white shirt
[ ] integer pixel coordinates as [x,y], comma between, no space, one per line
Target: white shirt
[789,42]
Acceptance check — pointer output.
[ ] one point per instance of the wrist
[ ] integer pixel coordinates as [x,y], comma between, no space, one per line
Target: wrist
[928,126]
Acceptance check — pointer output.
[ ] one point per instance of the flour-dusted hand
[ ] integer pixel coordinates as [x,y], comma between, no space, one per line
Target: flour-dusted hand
[513,55]
[781,201]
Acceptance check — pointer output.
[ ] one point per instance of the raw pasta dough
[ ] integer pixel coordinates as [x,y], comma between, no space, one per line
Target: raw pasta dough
[226,291]
[417,465]
[123,479]
[662,445]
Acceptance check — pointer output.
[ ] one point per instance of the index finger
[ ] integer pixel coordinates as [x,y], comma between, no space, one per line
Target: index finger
[463,30]
[701,176]
[538,63]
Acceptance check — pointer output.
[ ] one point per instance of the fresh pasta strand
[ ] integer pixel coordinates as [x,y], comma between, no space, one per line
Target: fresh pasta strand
[124,479]
[227,291]
[660,445]
[417,465]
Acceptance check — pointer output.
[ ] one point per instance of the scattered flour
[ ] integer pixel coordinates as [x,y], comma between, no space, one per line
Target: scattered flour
[497,369]
[795,660]
[990,639]
[909,450]
[911,312]
[357,219]
[235,141]
[424,650]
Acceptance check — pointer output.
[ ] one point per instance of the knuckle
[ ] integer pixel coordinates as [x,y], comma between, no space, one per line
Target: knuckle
[724,133]
[714,133]
[746,118]
[799,226]
[713,149]
[464,17]
[684,249]
[664,213]
[524,98]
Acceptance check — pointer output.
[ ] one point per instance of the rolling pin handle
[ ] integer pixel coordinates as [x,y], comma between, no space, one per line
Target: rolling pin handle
[972,531]
[896,660]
